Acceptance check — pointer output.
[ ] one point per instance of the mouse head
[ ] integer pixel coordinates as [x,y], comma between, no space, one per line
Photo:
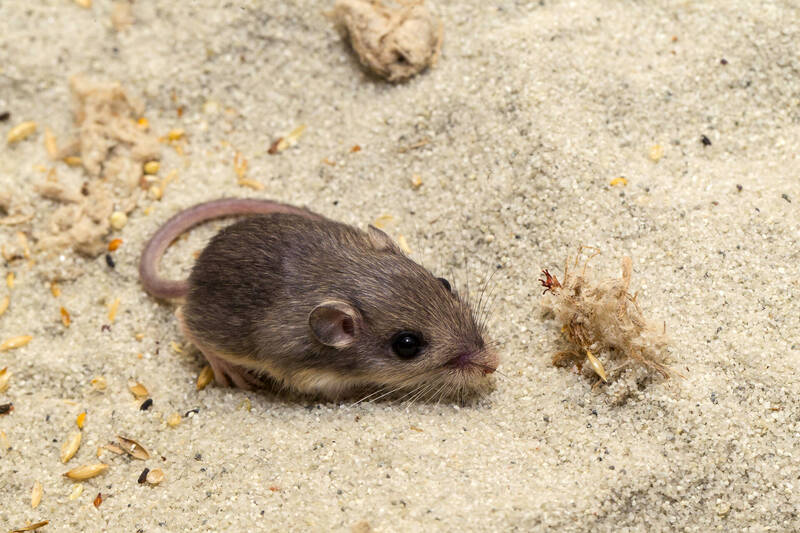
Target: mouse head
[402,328]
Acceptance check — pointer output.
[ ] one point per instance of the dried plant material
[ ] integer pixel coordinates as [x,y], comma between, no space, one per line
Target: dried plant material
[15,342]
[65,318]
[14,220]
[175,347]
[122,15]
[239,165]
[403,244]
[75,493]
[50,143]
[152,167]
[174,420]
[620,181]
[206,376]
[113,448]
[112,310]
[413,146]
[287,141]
[80,420]
[133,448]
[395,42]
[155,476]
[4,303]
[138,390]
[253,184]
[383,221]
[21,131]
[70,446]
[98,383]
[10,278]
[36,495]
[114,244]
[85,472]
[5,378]
[245,404]
[55,290]
[602,321]
[97,500]
[32,527]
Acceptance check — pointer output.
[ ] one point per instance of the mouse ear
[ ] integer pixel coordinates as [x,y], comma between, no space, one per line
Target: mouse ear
[335,323]
[380,240]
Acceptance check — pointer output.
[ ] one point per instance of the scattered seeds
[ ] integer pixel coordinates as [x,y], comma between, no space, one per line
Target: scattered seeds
[113,245]
[155,192]
[118,220]
[175,347]
[155,476]
[174,420]
[175,134]
[285,142]
[239,164]
[112,310]
[205,377]
[21,131]
[77,490]
[10,278]
[253,184]
[416,181]
[36,495]
[133,448]
[403,244]
[65,318]
[98,500]
[32,527]
[55,289]
[382,221]
[5,444]
[138,390]
[5,376]
[355,148]
[85,472]
[15,342]
[81,420]
[70,446]
[656,152]
[619,181]
[84,3]
[98,383]
[143,476]
[73,161]
[147,404]
[50,143]
[151,167]
[4,303]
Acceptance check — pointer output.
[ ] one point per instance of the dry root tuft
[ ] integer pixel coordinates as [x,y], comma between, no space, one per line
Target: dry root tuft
[602,322]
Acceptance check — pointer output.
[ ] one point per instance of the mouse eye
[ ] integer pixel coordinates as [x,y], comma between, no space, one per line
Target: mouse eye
[406,344]
[445,283]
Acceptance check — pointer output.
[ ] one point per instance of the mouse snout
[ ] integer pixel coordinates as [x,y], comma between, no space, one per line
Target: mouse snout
[484,360]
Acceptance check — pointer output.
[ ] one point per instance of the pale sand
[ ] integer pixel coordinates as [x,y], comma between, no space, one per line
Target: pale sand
[531,112]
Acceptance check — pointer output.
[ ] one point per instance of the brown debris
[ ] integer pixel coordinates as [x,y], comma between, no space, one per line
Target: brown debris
[32,527]
[602,323]
[394,42]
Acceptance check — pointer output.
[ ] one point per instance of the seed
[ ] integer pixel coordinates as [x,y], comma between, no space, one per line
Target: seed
[147,404]
[5,445]
[597,366]
[416,181]
[55,289]
[10,280]
[36,495]
[205,377]
[175,134]
[70,446]
[151,167]
[619,181]
[143,476]
[5,376]
[155,192]
[98,500]
[20,131]
[133,448]
[15,342]
[4,304]
[112,310]
[174,420]
[6,408]
[175,347]
[656,152]
[86,4]
[32,527]
[82,473]
[81,420]
[403,244]
[118,220]
[210,107]
[382,221]
[65,319]
[355,148]
[50,143]
[77,490]
[138,390]
[98,383]
[154,477]
[113,245]
[73,161]
[239,165]
[253,184]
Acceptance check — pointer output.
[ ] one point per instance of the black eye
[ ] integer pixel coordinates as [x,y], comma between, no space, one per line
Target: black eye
[406,344]
[445,283]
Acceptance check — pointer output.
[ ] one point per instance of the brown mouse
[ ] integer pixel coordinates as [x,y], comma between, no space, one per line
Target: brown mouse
[317,306]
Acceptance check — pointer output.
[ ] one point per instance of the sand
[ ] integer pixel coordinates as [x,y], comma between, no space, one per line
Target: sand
[533,109]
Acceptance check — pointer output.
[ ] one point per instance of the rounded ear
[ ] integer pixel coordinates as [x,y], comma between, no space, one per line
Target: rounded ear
[335,323]
[380,240]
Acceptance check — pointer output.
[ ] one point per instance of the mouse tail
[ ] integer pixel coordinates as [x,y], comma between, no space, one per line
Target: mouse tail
[183,221]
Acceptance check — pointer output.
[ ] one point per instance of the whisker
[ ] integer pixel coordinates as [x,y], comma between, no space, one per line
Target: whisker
[373,393]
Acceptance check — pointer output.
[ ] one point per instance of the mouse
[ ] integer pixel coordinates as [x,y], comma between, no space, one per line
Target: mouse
[289,298]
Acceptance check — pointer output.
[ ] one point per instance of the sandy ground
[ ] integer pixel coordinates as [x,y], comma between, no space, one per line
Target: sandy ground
[533,109]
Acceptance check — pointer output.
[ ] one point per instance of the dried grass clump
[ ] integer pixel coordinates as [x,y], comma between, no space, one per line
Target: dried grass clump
[393,42]
[602,321]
